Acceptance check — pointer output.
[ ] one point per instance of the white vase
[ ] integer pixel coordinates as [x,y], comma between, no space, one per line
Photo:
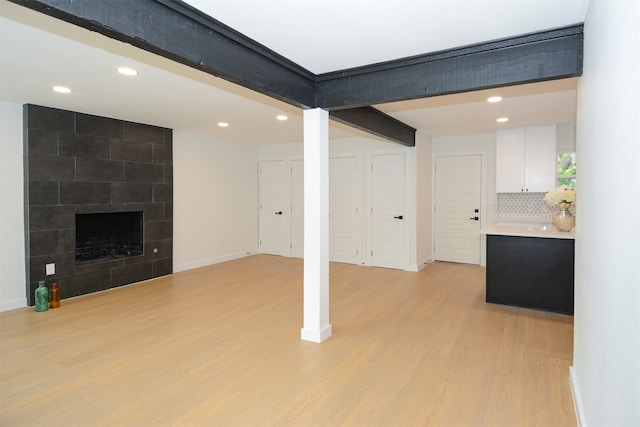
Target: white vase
[564,220]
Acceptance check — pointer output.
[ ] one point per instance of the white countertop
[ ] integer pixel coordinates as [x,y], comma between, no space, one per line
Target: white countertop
[527,230]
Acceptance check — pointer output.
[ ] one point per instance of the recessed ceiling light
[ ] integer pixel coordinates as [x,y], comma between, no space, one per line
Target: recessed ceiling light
[223,124]
[282,117]
[494,99]
[61,89]
[502,120]
[127,71]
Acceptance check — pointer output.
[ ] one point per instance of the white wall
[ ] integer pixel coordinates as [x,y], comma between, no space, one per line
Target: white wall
[12,252]
[424,202]
[606,366]
[565,138]
[215,200]
[361,145]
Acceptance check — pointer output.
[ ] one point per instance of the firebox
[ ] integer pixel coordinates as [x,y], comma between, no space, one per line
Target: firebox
[106,236]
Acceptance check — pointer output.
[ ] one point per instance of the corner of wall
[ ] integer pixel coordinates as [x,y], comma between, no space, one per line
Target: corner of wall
[210,261]
[13,304]
[421,265]
[12,260]
[424,199]
[577,397]
[210,173]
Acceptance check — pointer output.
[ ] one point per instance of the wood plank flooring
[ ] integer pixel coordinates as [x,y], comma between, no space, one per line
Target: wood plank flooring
[220,346]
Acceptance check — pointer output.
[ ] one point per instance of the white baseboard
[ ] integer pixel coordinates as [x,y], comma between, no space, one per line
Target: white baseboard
[13,304]
[203,263]
[418,267]
[577,397]
[316,335]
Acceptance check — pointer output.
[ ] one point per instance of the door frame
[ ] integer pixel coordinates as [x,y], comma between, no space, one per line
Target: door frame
[483,195]
[368,200]
[285,215]
[289,160]
[360,202]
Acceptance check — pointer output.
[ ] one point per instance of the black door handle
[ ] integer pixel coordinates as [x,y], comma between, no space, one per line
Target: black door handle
[475,218]
[398,217]
[279,213]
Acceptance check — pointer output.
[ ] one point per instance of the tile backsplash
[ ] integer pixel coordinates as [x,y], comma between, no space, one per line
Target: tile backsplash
[524,207]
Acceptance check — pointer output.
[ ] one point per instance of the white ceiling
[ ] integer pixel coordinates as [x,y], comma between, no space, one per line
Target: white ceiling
[330,35]
[38,52]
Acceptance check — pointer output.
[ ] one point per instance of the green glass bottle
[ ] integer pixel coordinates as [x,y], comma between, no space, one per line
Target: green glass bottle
[42,297]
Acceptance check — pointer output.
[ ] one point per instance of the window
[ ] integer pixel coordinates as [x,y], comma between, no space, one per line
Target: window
[566,170]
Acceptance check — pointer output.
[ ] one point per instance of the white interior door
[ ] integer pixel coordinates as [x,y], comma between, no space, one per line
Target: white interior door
[297,208]
[387,211]
[344,209]
[457,203]
[271,214]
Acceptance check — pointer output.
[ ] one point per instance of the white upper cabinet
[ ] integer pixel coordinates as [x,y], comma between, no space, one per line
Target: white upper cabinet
[510,160]
[526,160]
[540,159]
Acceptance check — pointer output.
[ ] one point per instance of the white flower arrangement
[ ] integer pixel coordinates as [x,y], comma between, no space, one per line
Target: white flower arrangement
[561,194]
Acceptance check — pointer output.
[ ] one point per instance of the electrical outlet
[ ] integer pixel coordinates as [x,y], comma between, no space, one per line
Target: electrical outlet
[50,269]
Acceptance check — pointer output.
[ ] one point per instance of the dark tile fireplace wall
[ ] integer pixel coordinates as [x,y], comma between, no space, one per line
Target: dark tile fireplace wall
[79,163]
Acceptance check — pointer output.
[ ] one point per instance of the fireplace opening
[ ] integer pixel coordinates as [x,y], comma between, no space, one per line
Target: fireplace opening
[107,236]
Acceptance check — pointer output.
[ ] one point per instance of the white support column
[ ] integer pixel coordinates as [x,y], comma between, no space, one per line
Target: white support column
[316,326]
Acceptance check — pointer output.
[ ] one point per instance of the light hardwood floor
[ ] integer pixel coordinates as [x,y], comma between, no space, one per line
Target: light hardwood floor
[220,345]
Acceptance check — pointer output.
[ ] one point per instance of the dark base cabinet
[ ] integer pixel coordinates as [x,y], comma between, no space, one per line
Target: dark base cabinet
[530,272]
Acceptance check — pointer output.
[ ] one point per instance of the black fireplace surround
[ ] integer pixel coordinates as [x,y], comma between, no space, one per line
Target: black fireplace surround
[82,166]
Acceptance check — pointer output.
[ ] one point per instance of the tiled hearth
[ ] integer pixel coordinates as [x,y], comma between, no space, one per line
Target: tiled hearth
[78,163]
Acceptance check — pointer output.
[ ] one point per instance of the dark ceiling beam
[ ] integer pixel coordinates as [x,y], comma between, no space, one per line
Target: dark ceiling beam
[546,55]
[376,122]
[175,30]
